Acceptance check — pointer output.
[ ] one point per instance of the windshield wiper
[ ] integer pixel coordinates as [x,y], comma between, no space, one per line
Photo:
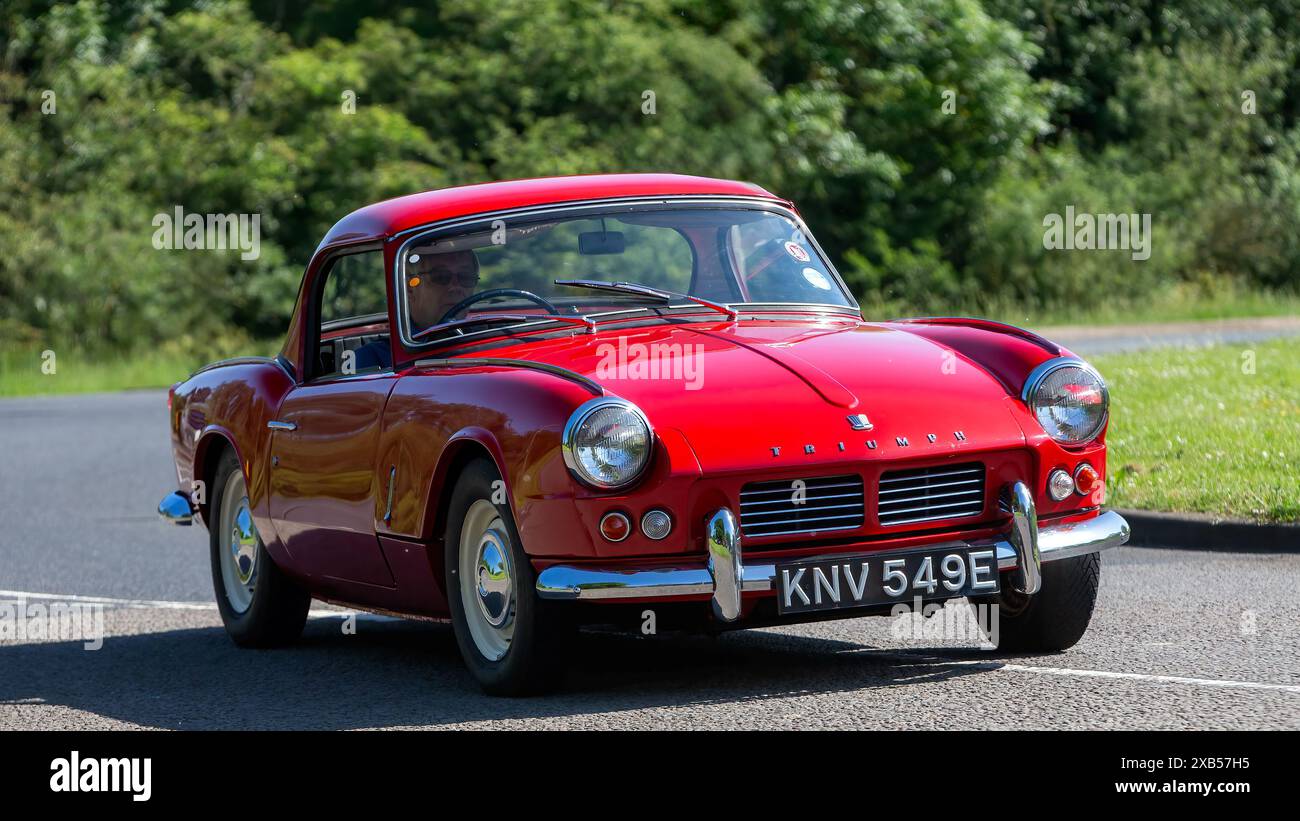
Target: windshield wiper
[646,290]
[459,324]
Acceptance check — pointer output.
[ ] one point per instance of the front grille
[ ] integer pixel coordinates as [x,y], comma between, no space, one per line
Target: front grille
[801,505]
[931,494]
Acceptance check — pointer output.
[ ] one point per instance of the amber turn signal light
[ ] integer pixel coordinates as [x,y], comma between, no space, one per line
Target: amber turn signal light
[1086,479]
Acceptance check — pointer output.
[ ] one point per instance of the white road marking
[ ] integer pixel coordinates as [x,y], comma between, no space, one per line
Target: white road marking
[152,604]
[994,665]
[1162,679]
[107,602]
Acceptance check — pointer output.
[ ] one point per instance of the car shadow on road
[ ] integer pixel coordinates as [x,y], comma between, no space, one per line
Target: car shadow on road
[395,674]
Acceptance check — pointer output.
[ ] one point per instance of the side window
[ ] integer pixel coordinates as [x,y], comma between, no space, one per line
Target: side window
[354,287]
[353,332]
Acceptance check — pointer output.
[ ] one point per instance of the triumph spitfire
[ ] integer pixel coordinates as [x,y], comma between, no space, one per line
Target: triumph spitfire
[525,406]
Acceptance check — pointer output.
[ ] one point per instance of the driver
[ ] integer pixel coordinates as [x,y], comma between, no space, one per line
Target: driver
[434,284]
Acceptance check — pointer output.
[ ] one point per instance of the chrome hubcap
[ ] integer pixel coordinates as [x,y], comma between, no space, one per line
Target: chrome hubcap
[243,545]
[487,589]
[494,578]
[239,545]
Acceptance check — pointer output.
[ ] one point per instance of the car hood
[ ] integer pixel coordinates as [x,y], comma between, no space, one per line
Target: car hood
[737,390]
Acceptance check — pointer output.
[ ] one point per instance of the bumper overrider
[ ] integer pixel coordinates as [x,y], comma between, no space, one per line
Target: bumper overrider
[725,577]
[176,508]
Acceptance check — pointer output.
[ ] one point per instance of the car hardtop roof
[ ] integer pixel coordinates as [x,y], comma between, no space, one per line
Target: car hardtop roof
[389,217]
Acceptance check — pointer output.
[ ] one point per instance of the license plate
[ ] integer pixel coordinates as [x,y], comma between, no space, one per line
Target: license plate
[841,582]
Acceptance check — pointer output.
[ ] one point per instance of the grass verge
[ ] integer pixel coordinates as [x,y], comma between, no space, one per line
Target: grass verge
[26,372]
[1211,430]
[1176,303]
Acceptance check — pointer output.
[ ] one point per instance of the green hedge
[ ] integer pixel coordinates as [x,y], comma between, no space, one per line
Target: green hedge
[235,107]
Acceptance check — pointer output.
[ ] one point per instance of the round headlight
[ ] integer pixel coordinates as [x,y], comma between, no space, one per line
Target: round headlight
[607,443]
[1069,399]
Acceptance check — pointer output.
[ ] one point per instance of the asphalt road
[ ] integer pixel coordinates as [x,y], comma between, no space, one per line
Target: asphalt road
[1182,639]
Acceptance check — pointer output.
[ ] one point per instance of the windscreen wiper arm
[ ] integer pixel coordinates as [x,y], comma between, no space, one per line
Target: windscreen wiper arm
[646,290]
[458,324]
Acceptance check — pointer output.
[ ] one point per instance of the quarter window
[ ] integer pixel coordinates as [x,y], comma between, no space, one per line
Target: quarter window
[352,336]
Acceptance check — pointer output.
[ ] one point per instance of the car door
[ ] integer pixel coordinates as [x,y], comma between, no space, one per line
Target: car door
[325,435]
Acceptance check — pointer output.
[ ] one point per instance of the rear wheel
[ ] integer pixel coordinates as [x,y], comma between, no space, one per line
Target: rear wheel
[1057,616]
[259,604]
[512,641]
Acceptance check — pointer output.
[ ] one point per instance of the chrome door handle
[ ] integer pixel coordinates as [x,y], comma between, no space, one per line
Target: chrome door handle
[276,424]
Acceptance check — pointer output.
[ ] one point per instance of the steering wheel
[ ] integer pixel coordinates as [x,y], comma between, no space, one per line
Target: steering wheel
[495,292]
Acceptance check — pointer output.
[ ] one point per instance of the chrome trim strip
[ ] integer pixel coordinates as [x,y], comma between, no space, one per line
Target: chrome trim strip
[922,476]
[915,488]
[804,508]
[284,366]
[967,503]
[176,508]
[484,362]
[392,480]
[753,525]
[606,202]
[978,494]
[939,517]
[594,583]
[783,501]
[276,424]
[785,491]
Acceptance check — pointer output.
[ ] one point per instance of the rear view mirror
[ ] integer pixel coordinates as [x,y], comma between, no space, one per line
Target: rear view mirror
[595,243]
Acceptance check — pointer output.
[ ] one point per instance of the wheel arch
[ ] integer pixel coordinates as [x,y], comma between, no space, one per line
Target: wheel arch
[464,447]
[213,442]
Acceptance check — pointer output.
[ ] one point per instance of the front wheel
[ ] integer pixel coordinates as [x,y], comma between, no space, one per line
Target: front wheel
[512,641]
[1057,616]
[259,604]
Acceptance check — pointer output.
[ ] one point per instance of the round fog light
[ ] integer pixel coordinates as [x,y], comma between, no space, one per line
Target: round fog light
[614,526]
[1059,485]
[656,524]
[1086,479]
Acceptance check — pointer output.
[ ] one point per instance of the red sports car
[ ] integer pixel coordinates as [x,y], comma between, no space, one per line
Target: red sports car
[525,406]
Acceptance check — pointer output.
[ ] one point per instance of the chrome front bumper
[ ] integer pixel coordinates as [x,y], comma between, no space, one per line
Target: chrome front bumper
[724,576]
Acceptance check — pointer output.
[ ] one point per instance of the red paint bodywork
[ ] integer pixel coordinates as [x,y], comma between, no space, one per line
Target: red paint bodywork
[778,380]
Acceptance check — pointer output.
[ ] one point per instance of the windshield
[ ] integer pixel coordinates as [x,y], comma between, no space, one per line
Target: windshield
[728,255]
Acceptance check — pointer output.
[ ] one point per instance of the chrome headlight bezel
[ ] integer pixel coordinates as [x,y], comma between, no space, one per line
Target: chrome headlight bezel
[569,442]
[1031,398]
